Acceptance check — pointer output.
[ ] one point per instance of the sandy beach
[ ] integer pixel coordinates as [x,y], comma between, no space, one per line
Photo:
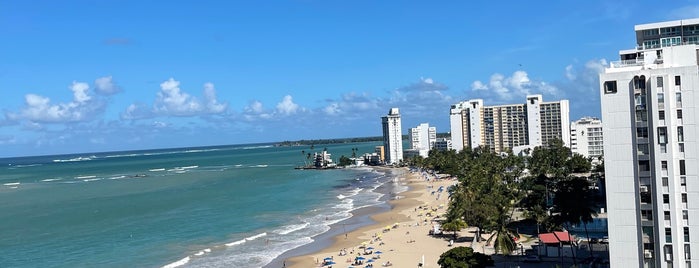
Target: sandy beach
[399,236]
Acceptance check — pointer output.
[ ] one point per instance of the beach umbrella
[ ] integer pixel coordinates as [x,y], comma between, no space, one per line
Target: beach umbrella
[328,259]
[329,263]
[370,260]
[370,248]
[378,252]
[360,258]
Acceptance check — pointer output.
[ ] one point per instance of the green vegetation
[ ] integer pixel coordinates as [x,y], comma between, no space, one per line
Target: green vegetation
[464,257]
[551,186]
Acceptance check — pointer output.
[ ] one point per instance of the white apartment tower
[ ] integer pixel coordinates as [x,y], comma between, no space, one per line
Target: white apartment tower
[505,127]
[422,138]
[392,137]
[586,138]
[650,113]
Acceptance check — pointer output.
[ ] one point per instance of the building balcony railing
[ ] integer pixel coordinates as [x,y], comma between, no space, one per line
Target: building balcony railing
[626,63]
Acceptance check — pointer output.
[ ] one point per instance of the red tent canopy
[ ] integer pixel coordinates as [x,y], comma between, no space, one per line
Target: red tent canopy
[556,237]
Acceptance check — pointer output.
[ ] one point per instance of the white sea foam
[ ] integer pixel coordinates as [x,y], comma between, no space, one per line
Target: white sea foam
[255,236]
[85,177]
[260,166]
[93,179]
[117,177]
[156,169]
[202,252]
[189,167]
[181,262]
[341,196]
[239,242]
[48,180]
[77,159]
[23,166]
[11,184]
[291,228]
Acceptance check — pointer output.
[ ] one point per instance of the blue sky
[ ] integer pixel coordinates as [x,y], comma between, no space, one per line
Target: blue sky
[87,76]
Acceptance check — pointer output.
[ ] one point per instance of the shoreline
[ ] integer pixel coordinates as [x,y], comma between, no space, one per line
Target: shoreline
[398,229]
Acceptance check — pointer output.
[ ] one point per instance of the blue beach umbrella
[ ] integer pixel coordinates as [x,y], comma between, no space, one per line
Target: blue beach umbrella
[370,248]
[329,263]
[328,259]
[360,258]
[370,260]
[378,252]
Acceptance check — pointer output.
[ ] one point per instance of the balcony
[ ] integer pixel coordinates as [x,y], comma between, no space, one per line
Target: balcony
[626,63]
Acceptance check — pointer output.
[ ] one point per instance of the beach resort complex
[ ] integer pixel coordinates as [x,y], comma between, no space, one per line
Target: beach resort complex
[649,114]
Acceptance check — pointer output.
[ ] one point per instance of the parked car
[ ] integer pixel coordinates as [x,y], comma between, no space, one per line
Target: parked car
[532,258]
[604,240]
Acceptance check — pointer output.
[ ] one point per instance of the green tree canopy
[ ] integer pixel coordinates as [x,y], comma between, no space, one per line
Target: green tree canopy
[464,257]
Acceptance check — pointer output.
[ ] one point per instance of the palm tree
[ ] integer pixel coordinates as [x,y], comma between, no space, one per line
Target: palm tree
[454,225]
[575,202]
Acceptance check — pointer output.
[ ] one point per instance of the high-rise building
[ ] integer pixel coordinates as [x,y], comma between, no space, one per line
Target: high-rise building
[586,138]
[504,127]
[392,137]
[422,138]
[649,102]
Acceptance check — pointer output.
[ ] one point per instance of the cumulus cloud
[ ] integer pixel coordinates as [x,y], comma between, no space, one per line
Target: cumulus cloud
[40,109]
[106,86]
[287,106]
[516,86]
[171,100]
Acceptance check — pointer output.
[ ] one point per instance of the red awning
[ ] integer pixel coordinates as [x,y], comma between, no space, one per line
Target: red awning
[555,237]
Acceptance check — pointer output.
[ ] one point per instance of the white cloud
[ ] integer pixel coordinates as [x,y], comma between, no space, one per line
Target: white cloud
[39,109]
[332,109]
[106,86]
[80,92]
[173,101]
[516,86]
[287,106]
[212,104]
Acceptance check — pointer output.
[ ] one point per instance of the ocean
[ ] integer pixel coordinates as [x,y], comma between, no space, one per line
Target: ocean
[226,206]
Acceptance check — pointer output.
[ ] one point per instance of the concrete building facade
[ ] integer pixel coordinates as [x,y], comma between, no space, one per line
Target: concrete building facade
[392,137]
[422,138]
[504,127]
[649,116]
[586,138]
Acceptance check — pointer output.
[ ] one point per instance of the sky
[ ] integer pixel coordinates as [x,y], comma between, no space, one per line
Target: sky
[112,75]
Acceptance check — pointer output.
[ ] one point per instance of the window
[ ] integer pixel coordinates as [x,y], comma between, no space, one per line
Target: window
[662,135]
[685,215]
[679,114]
[647,215]
[663,164]
[666,199]
[680,134]
[668,235]
[665,182]
[610,87]
[683,171]
[687,255]
[641,116]
[686,234]
[667,215]
[642,133]
[659,81]
[678,99]
[661,100]
[661,115]
[683,181]
[677,80]
[684,199]
[680,147]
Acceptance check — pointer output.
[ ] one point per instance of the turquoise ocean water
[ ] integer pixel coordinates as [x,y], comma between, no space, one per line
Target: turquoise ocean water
[228,206]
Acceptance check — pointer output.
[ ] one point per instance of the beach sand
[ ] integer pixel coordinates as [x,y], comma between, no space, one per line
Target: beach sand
[401,234]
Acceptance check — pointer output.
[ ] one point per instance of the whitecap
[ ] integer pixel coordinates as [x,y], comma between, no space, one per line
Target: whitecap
[255,236]
[291,228]
[235,243]
[11,184]
[181,262]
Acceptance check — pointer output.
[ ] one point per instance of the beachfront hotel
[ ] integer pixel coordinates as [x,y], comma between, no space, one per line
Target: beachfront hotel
[586,138]
[511,126]
[422,138]
[392,137]
[649,115]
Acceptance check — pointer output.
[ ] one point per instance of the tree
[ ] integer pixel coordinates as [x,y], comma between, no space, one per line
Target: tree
[454,225]
[345,161]
[464,257]
[575,202]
